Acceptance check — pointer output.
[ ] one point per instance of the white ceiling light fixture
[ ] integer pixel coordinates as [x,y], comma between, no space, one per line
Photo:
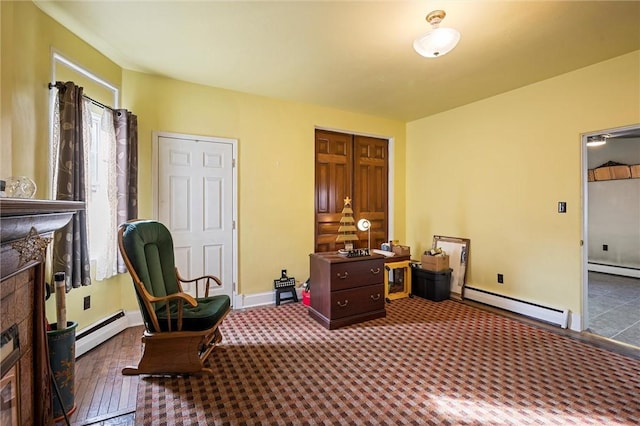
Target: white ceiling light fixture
[440,40]
[596,140]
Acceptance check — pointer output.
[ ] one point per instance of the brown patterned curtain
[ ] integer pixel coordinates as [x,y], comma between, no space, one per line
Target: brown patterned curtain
[71,152]
[70,245]
[126,126]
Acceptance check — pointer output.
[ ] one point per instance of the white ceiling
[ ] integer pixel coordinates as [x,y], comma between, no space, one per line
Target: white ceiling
[354,55]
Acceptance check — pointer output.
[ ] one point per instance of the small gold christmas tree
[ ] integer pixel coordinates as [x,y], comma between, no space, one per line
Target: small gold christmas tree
[347,229]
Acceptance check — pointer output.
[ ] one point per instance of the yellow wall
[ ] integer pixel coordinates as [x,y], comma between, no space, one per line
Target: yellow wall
[275,164]
[6,79]
[493,171]
[275,159]
[30,35]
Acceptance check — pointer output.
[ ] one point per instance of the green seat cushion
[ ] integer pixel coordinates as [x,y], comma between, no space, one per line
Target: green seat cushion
[195,318]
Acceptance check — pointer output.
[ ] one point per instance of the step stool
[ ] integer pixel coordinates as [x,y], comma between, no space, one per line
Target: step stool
[285,285]
[285,290]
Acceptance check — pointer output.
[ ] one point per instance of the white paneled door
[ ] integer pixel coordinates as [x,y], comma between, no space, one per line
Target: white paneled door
[195,200]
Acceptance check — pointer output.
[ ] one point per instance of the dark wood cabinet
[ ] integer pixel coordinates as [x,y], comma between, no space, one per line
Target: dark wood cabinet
[346,290]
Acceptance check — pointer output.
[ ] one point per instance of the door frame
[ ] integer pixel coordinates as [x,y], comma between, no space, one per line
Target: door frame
[155,169]
[390,171]
[584,317]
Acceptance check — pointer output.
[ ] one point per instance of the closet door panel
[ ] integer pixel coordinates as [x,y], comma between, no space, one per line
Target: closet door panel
[371,185]
[334,174]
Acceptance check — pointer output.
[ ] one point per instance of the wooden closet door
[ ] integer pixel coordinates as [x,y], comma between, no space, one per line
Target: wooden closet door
[334,172]
[370,199]
[362,176]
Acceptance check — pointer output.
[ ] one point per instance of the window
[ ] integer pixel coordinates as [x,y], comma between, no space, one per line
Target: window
[100,163]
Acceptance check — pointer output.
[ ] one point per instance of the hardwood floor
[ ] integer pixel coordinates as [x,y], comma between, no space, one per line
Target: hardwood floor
[103,395]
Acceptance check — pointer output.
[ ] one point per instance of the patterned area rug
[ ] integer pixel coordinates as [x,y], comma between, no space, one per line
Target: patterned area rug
[425,363]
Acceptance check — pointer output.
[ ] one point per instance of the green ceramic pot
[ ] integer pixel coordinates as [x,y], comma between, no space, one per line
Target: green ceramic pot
[62,355]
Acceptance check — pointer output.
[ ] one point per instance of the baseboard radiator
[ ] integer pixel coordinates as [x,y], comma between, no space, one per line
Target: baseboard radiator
[554,316]
[624,271]
[99,332]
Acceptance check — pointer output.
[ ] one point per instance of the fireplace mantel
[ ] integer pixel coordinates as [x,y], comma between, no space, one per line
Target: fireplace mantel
[19,216]
[26,227]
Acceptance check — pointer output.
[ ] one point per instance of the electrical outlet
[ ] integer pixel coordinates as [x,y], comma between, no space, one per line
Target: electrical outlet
[562,206]
[605,247]
[87,302]
[500,279]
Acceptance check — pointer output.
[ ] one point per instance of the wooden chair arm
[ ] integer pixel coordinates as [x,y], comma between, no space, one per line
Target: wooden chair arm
[149,299]
[185,296]
[205,279]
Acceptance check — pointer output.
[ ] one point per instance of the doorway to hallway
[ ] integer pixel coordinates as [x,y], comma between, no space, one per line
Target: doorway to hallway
[611,229]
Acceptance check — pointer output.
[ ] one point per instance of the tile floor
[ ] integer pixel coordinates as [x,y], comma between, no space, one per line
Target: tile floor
[614,307]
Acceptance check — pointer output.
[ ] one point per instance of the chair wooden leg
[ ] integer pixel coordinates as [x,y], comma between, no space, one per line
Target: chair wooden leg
[175,353]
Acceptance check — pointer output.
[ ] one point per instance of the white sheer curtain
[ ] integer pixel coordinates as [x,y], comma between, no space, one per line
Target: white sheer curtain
[104,201]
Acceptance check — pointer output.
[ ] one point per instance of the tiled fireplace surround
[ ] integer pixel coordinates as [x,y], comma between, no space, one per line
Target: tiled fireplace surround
[25,227]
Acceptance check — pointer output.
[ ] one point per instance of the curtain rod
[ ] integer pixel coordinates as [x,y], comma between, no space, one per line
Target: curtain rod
[59,84]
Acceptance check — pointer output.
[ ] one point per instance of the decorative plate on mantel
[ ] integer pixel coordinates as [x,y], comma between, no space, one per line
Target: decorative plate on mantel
[20,187]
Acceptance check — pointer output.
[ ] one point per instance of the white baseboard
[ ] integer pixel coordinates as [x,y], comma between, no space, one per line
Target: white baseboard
[242,301]
[575,322]
[102,334]
[85,343]
[544,313]
[134,318]
[614,270]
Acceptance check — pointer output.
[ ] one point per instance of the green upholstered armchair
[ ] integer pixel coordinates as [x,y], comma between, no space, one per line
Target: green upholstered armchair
[180,330]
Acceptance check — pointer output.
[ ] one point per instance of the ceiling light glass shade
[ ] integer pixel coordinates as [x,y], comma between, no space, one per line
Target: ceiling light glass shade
[596,141]
[437,42]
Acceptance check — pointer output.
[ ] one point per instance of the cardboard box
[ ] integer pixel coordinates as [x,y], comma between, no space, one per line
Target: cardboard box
[612,172]
[435,263]
[401,250]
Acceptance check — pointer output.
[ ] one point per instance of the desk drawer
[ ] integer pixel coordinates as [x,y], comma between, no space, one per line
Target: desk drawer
[356,301]
[356,274]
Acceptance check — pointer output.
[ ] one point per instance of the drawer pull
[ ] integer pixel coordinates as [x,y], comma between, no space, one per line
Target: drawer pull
[344,276]
[375,271]
[342,305]
[376,297]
